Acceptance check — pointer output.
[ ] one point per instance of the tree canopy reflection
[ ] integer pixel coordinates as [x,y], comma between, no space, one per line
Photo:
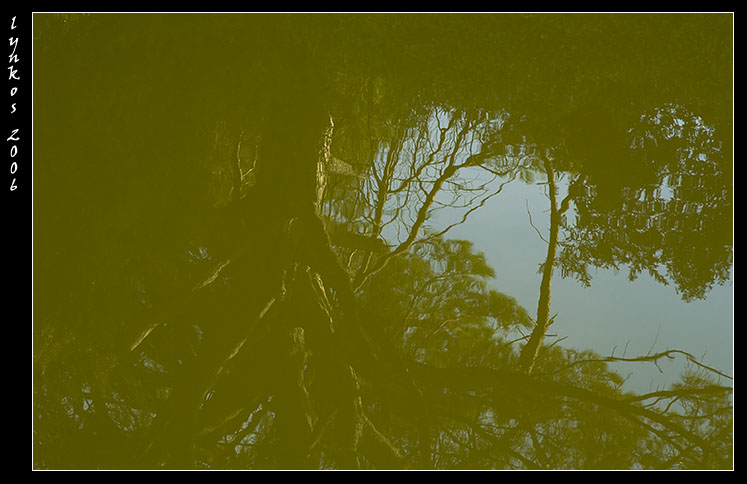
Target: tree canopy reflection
[274,295]
[674,217]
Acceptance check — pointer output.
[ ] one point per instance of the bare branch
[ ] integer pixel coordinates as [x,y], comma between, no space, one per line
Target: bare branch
[647,358]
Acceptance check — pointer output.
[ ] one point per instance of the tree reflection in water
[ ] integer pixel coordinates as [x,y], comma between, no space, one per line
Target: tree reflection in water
[277,297]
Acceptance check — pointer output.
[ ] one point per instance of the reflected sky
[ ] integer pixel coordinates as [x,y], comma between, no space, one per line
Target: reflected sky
[508,220]
[614,315]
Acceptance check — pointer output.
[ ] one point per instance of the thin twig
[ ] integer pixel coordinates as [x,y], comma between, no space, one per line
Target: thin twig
[532,223]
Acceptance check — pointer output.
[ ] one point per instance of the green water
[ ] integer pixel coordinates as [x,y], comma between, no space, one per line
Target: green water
[275,241]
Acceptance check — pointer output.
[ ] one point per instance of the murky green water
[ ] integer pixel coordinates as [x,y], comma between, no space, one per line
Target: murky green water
[383,241]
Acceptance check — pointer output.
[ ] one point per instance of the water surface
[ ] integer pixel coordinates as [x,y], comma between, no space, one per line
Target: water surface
[383,241]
